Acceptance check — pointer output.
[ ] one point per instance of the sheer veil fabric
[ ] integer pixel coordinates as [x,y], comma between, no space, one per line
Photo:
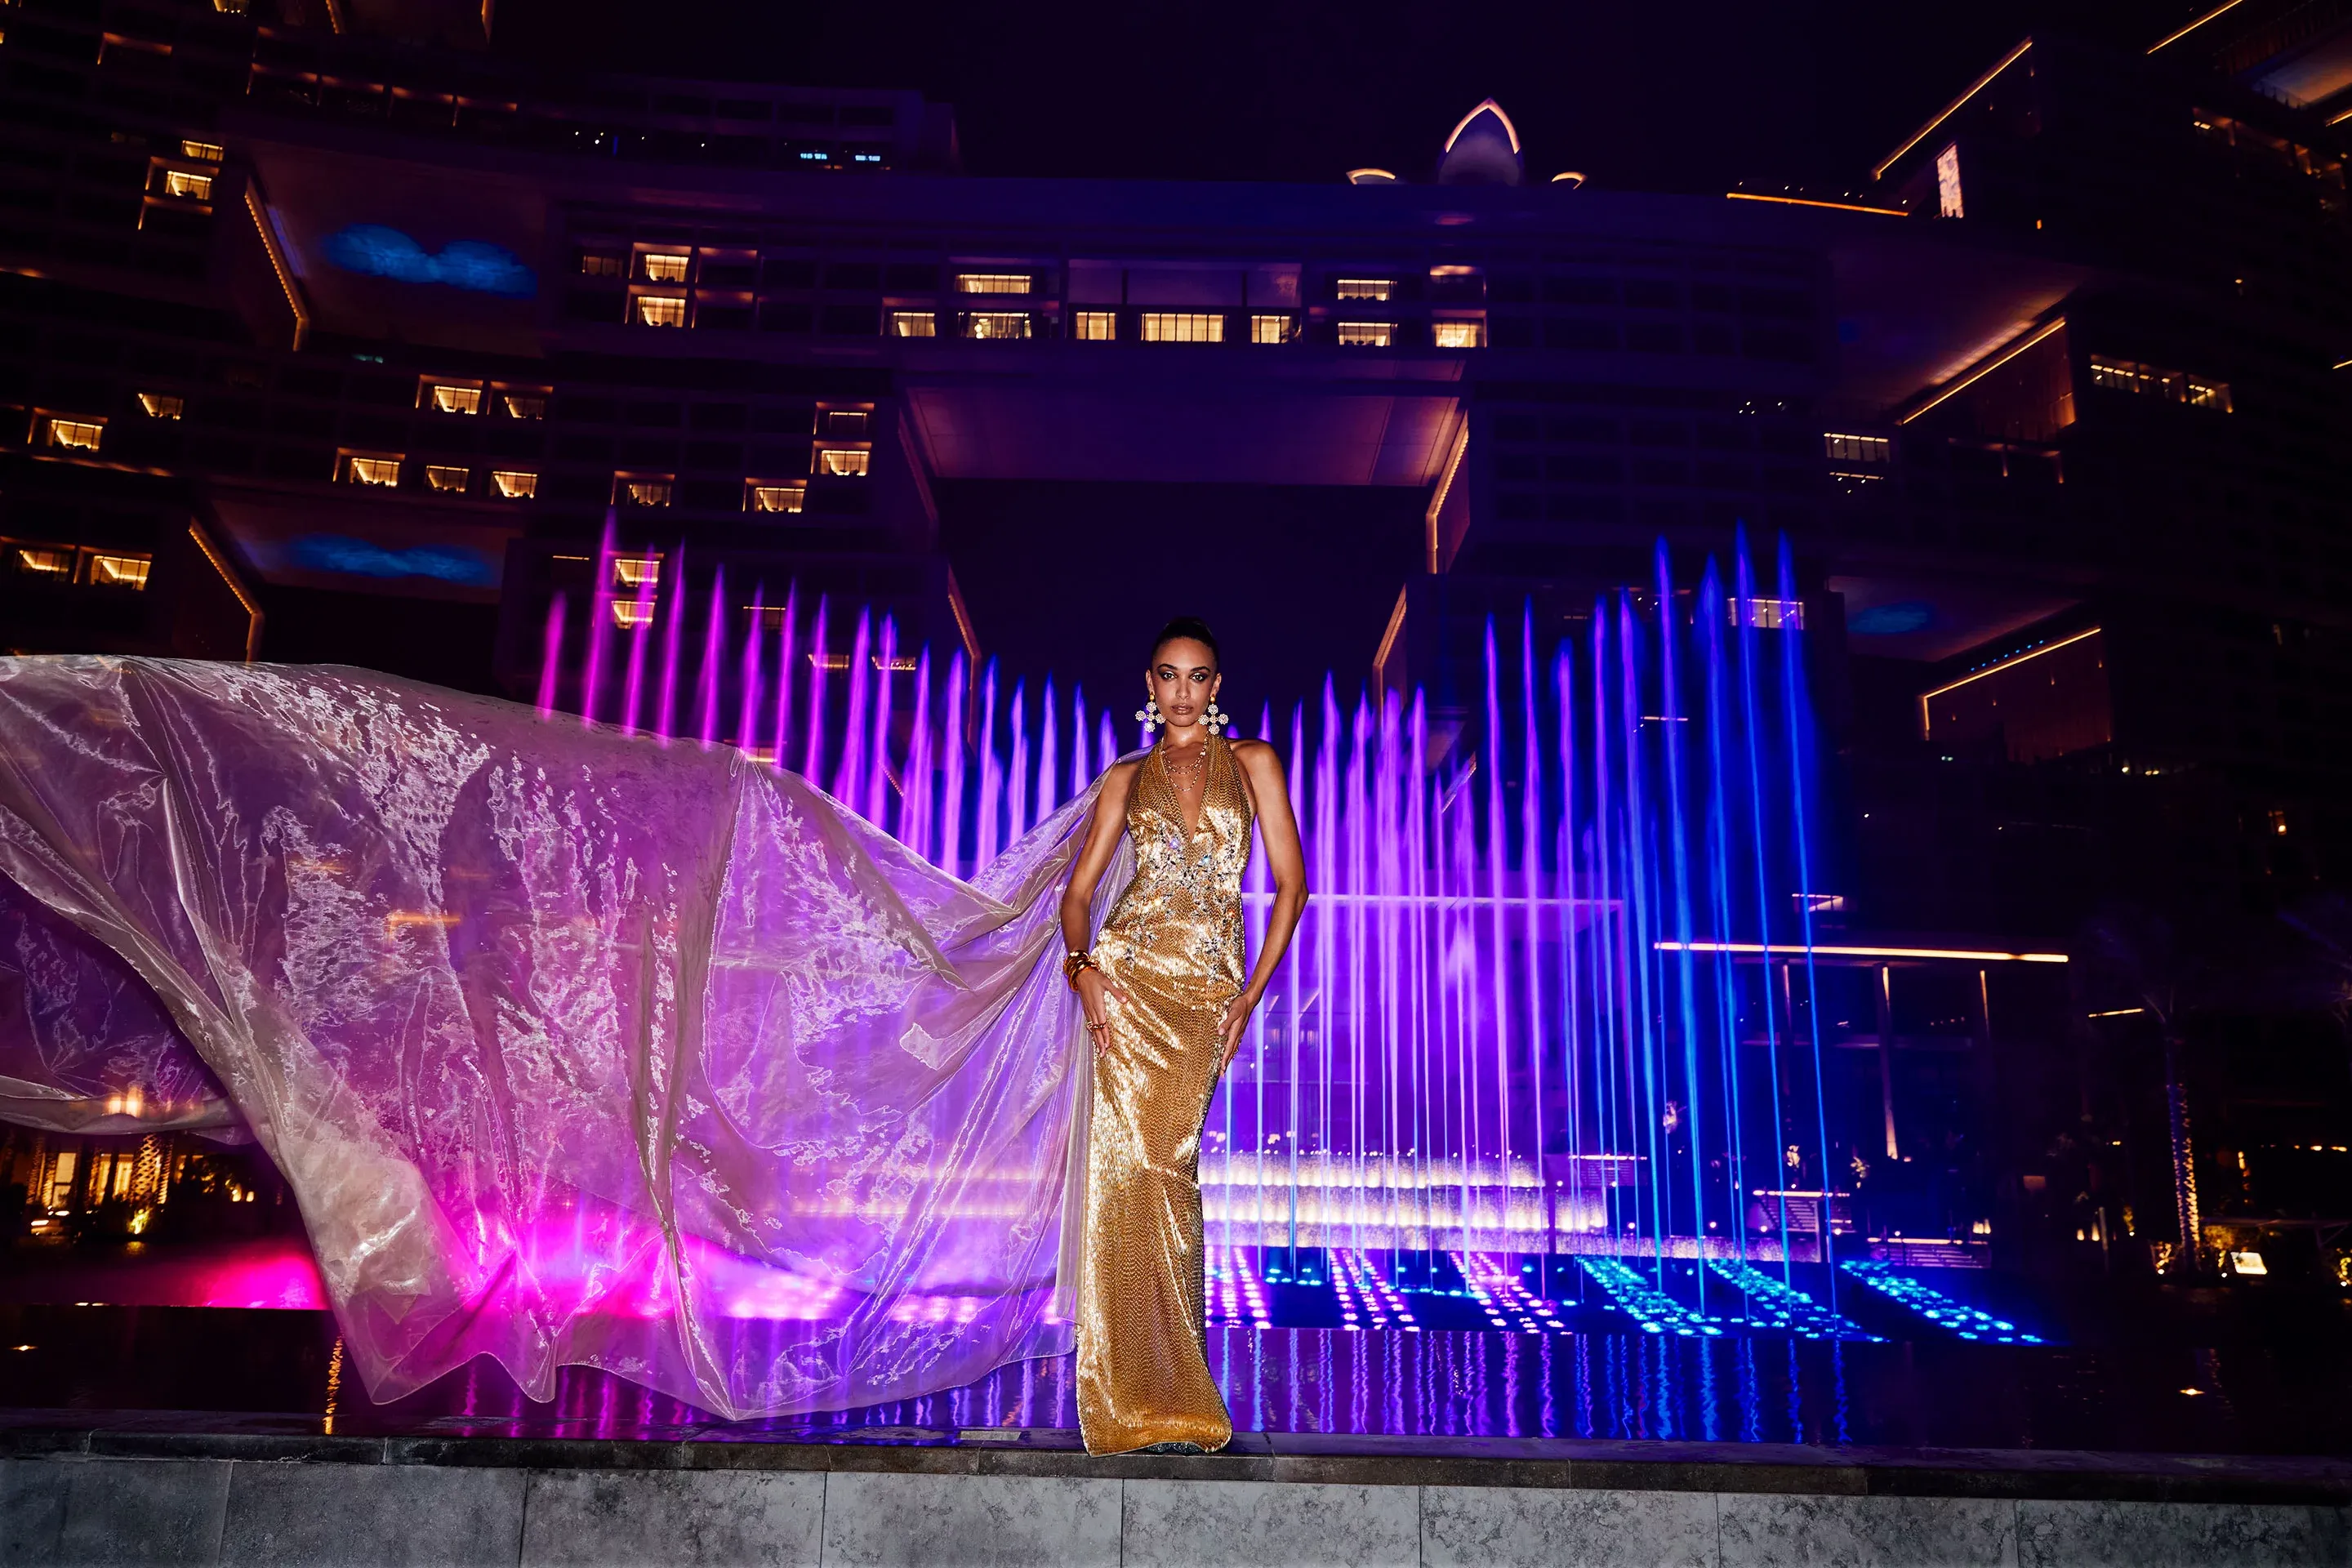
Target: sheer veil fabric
[573,1048]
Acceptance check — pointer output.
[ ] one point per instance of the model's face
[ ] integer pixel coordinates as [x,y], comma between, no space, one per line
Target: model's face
[1182,681]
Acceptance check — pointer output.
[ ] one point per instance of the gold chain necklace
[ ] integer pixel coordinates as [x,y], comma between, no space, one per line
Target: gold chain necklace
[1195,765]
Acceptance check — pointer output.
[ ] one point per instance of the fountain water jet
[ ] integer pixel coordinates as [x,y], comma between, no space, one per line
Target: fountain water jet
[1511,1021]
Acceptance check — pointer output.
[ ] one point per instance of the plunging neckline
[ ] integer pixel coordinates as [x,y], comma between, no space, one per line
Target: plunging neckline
[1200,820]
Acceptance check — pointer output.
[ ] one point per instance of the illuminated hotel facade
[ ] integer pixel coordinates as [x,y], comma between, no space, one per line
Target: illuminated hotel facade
[326,344]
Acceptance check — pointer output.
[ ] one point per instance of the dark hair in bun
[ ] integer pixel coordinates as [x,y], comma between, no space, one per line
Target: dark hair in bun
[1191,627]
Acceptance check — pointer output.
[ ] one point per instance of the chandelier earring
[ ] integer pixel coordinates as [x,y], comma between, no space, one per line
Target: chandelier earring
[1149,715]
[1216,719]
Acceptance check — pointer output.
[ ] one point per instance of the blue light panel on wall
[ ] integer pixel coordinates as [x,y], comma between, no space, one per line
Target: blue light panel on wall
[1891,620]
[474,264]
[357,557]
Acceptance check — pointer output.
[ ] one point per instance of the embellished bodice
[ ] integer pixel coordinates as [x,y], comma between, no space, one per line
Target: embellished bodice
[1181,914]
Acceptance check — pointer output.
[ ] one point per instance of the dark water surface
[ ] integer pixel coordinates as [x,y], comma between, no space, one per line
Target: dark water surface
[1495,1347]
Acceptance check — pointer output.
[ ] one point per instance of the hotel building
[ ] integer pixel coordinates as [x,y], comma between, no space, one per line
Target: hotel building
[327,335]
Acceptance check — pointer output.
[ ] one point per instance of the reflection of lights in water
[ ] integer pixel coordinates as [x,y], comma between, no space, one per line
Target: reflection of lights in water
[335,1384]
[285,1279]
[1237,1298]
[1381,1298]
[1654,1310]
[1504,1296]
[939,1308]
[774,1294]
[1615,1377]
[1773,1305]
[1937,1308]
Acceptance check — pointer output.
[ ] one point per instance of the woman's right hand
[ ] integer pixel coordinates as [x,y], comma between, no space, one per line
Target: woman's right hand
[1095,992]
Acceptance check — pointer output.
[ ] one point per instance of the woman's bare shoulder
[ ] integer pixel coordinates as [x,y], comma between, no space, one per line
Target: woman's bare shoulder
[1260,767]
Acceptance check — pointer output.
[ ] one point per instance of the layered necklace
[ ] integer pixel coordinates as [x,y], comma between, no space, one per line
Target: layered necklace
[1192,769]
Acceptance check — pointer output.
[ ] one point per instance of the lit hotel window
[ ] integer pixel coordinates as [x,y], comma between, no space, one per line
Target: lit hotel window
[61,1181]
[449,481]
[913,324]
[2126,375]
[1367,334]
[1857,448]
[194,187]
[120,571]
[1948,184]
[991,282]
[161,405]
[524,404]
[640,490]
[1458,334]
[74,435]
[1182,327]
[995,325]
[1272,329]
[2153,381]
[843,462]
[1767,614]
[666,269]
[44,561]
[381,470]
[203,152]
[634,573]
[450,399]
[512,484]
[1366,287]
[1095,326]
[660,310]
[758,497]
[849,424]
[631,616]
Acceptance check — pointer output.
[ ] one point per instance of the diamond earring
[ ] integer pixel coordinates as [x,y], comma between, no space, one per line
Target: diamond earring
[1214,719]
[1149,715]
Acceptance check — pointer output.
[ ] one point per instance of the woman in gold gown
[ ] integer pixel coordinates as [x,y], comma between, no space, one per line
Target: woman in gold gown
[1166,1002]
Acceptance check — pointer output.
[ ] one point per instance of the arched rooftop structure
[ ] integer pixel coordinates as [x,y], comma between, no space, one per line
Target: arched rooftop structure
[1483,150]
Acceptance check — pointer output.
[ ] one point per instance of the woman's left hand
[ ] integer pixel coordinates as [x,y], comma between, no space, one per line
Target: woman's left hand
[1237,1016]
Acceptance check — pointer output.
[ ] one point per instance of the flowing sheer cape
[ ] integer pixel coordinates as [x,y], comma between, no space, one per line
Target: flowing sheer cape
[574,1048]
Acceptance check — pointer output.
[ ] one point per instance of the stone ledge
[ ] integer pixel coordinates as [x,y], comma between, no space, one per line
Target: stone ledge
[1297,1458]
[73,1508]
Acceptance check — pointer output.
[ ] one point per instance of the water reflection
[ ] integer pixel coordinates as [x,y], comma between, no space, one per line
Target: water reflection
[1397,1349]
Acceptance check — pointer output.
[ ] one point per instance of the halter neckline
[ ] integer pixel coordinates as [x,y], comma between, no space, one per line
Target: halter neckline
[1192,830]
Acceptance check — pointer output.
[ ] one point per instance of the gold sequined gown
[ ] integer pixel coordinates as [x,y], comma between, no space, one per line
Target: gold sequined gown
[1173,945]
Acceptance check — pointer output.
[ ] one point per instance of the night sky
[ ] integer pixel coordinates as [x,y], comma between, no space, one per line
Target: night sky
[1688,97]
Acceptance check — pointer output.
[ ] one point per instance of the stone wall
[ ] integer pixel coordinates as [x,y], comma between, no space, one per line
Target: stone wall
[485,1502]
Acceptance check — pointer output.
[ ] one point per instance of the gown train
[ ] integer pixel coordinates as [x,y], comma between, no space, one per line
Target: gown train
[573,1048]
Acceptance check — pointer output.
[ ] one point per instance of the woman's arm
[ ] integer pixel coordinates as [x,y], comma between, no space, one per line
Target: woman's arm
[1278,829]
[1109,820]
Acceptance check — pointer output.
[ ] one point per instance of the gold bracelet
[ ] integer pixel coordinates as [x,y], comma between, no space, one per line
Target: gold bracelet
[1075,963]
